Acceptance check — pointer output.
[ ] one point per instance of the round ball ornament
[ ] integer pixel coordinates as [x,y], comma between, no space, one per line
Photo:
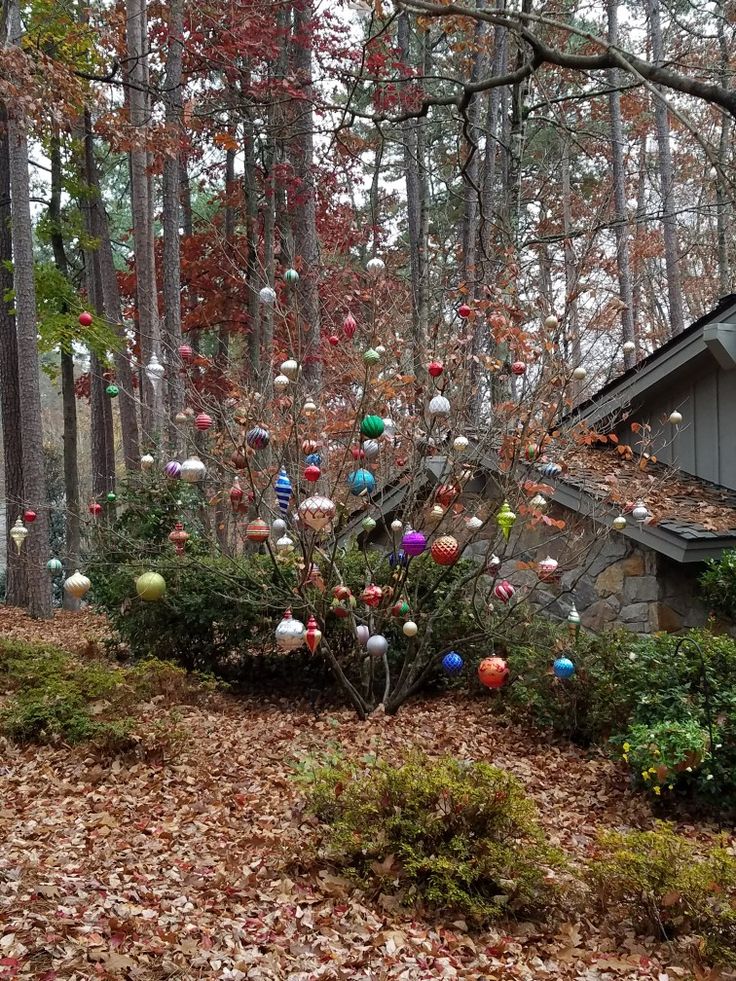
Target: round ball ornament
[396,526]
[54,567]
[368,524]
[181,418]
[349,326]
[628,347]
[447,493]
[375,267]
[464,311]
[400,609]
[309,408]
[460,444]
[371,357]
[77,585]
[619,522]
[278,527]
[675,418]
[538,502]
[95,508]
[503,591]
[371,449]
[435,368]
[333,340]
[452,662]
[291,276]
[361,482]
[377,645]
[193,470]
[203,422]
[257,530]
[290,633]
[550,469]
[579,373]
[547,569]
[372,427]
[551,322]
[493,672]
[473,523]
[186,352]
[640,512]
[372,596]
[563,668]
[111,497]
[267,296]
[113,391]
[257,438]
[439,407]
[281,383]
[409,629]
[147,462]
[317,512]
[172,469]
[312,473]
[151,587]
[29,516]
[290,368]
[284,545]
[85,318]
[313,460]
[445,550]
[518,368]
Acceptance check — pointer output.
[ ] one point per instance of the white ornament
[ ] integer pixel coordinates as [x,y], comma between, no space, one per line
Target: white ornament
[362,633]
[439,406]
[267,296]
[317,512]
[640,512]
[278,528]
[551,322]
[192,470]
[377,645]
[410,629]
[280,383]
[628,347]
[375,267]
[396,526]
[460,444]
[284,545]
[290,368]
[539,502]
[290,633]
[380,350]
[147,461]
[675,418]
[371,448]
[389,427]
[310,407]
[619,522]
[77,585]
[19,533]
[579,373]
[155,371]
[473,523]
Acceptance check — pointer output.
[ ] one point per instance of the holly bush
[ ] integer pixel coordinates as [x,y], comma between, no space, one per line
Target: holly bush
[718,584]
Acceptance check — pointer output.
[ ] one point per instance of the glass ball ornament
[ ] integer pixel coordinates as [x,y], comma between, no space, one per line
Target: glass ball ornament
[377,645]
[278,527]
[313,460]
[281,383]
[547,569]
[181,418]
[579,373]
[518,367]
[452,662]
[95,509]
[147,462]
[113,391]
[396,559]
[284,545]
[361,482]
[173,469]
[155,371]
[85,318]
[503,591]
[289,633]
[538,502]
[18,533]
[380,350]
[436,514]
[460,444]
[368,524]
[371,449]
[203,422]
[54,567]
[409,628]
[371,357]
[257,530]
[445,550]
[396,526]
[317,512]
[151,587]
[186,352]
[267,296]
[291,276]
[193,470]
[551,322]
[435,369]
[413,543]
[333,340]
[29,516]
[563,668]
[628,347]
[290,368]
[439,407]
[550,469]
[473,523]
[309,446]
[362,634]
[372,427]
[77,585]
[619,522]
[675,418]
[372,595]
[464,311]
[493,672]
[312,473]
[640,512]
[111,497]
[309,408]
[375,267]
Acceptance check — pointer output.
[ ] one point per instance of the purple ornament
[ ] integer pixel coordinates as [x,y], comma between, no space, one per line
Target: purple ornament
[173,469]
[413,543]
[362,633]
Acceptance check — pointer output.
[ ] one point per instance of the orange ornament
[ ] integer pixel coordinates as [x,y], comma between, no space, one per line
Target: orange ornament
[447,493]
[493,672]
[257,530]
[445,550]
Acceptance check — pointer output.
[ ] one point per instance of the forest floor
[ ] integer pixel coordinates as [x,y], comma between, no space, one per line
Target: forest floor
[194,867]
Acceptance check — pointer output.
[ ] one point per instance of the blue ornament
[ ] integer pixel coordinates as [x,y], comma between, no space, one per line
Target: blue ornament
[550,469]
[361,482]
[452,663]
[398,558]
[283,490]
[563,667]
[314,460]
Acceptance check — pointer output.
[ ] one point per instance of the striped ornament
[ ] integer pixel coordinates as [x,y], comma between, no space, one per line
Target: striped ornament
[282,488]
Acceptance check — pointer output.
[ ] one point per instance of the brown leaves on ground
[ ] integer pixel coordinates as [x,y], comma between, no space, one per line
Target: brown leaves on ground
[78,632]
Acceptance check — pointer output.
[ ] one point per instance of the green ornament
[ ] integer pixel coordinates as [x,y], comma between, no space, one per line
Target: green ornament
[112,497]
[368,523]
[54,566]
[112,391]
[151,587]
[371,356]
[291,276]
[505,519]
[372,427]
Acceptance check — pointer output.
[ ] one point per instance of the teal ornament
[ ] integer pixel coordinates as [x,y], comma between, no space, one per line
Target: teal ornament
[291,276]
[113,391]
[361,482]
[563,668]
[54,567]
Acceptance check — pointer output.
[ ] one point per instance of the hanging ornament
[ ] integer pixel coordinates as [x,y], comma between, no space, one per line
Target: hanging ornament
[551,322]
[113,391]
[493,672]
[464,311]
[310,446]
[317,512]
[473,523]
[361,482]
[397,558]
[193,470]
[291,276]
[413,543]
[563,668]
[619,522]
[349,326]
[375,267]
[313,635]
[547,569]
[77,585]
[181,418]
[151,587]
[236,494]
[54,567]
[436,514]
[358,452]
[178,538]
[380,350]
[313,460]
[290,633]
[342,592]
[284,545]
[396,526]
[282,489]
[85,318]
[29,516]
[257,530]
[111,497]
[452,662]
[372,595]
[333,340]
[368,524]
[377,645]
[372,427]
[435,368]
[439,406]
[95,509]
[312,473]
[147,462]
[186,352]
[18,533]
[675,418]
[257,438]
[362,634]
[290,368]
[550,469]
[155,371]
[579,373]
[518,368]
[409,629]
[281,383]
[628,347]
[445,550]
[278,528]
[505,519]
[267,296]
[460,444]
[503,590]
[389,428]
[400,609]
[573,619]
[309,408]
[447,494]
[538,502]
[640,512]
[238,459]
[203,422]
[494,564]
[371,357]
[173,469]
[371,449]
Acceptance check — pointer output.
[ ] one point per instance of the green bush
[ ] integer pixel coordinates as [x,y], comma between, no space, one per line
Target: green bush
[718,584]
[662,882]
[461,837]
[666,754]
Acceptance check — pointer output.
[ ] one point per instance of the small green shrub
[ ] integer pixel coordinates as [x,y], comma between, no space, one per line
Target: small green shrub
[666,755]
[718,584]
[663,883]
[455,836]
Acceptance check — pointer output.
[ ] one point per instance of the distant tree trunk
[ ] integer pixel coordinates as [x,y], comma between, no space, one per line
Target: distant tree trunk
[304,211]
[723,217]
[171,219]
[488,211]
[36,547]
[15,574]
[142,210]
[666,177]
[250,191]
[621,227]
[516,148]
[471,169]
[73,529]
[637,265]
[572,325]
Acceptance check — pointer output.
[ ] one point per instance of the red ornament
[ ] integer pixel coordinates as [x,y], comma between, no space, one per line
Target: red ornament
[313,635]
[340,611]
[372,595]
[333,340]
[179,538]
[358,454]
[503,590]
[310,446]
[85,318]
[447,493]
[518,368]
[257,530]
[435,368]
[349,326]
[341,593]
[464,311]
[95,508]
[203,422]
[29,516]
[186,352]
[312,473]
[493,672]
[236,495]
[445,550]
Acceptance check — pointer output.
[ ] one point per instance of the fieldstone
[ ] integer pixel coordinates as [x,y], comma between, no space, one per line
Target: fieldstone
[639,589]
[668,619]
[611,580]
[635,613]
[634,565]
[601,614]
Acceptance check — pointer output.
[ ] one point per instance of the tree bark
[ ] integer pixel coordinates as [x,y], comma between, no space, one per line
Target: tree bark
[471,169]
[36,547]
[15,574]
[724,146]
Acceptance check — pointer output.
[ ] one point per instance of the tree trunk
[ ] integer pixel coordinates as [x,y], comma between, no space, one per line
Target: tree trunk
[36,547]
[471,168]
[621,226]
[572,325]
[15,575]
[515,145]
[488,212]
[250,190]
[724,145]
[666,178]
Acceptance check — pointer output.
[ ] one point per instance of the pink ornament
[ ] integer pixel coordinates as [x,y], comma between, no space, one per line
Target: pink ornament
[203,422]
[518,368]
[85,318]
[349,326]
[503,590]
[464,311]
[333,340]
[186,352]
